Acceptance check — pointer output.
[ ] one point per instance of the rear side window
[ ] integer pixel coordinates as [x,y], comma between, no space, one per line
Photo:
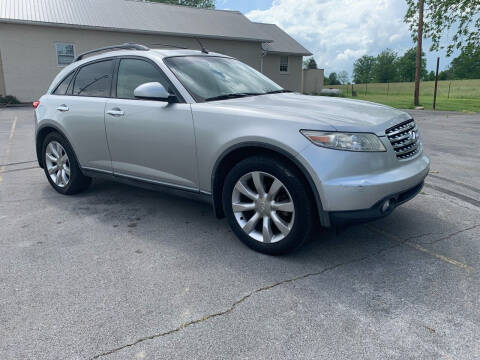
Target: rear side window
[63,86]
[94,79]
[135,72]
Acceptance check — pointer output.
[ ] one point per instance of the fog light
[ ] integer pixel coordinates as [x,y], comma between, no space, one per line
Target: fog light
[386,206]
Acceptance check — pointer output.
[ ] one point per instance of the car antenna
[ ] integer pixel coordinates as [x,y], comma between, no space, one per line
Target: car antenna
[205,51]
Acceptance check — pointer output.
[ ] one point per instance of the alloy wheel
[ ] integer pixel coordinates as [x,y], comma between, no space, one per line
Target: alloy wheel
[58,164]
[263,207]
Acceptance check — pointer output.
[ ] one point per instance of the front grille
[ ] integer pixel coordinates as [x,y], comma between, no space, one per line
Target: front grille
[405,139]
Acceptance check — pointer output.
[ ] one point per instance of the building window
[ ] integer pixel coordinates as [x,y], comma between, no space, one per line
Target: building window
[65,54]
[284,64]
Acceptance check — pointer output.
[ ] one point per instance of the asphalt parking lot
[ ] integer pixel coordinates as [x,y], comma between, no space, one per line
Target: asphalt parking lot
[126,273]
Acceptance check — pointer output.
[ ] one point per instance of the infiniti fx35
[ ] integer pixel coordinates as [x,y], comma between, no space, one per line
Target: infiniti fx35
[271,161]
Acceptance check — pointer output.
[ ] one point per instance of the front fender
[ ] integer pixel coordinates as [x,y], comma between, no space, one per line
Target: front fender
[250,148]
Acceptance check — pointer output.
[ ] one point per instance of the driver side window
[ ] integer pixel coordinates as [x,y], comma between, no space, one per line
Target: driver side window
[135,72]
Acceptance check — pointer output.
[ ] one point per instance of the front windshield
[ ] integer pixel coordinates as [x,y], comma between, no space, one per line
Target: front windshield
[213,78]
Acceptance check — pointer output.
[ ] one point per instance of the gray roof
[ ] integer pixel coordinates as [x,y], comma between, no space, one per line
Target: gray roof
[132,16]
[282,42]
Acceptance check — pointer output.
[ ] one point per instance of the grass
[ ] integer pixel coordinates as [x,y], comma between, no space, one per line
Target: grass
[464,95]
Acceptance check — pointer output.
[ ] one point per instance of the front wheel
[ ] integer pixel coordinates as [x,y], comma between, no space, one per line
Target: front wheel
[268,205]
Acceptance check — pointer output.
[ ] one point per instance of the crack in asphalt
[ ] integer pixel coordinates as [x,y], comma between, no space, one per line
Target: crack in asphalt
[399,242]
[244,298]
[425,250]
[393,236]
[446,237]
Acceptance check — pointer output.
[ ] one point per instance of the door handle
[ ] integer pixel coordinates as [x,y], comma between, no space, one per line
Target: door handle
[63,108]
[115,112]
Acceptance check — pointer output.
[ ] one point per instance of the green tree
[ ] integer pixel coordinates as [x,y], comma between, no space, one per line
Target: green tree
[406,66]
[363,69]
[466,65]
[430,76]
[343,77]
[209,4]
[385,68]
[445,75]
[333,79]
[441,17]
[310,63]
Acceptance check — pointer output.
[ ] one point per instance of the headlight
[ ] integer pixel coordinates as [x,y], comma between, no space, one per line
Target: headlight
[345,141]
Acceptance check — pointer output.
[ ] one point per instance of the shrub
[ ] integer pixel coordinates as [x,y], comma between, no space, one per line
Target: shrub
[9,99]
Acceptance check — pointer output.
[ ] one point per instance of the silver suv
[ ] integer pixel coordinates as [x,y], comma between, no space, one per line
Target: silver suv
[273,162]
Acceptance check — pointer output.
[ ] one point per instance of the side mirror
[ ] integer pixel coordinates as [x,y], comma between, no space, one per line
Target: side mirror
[154,91]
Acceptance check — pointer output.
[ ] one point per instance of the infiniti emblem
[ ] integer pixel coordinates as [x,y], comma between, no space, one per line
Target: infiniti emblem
[261,205]
[412,135]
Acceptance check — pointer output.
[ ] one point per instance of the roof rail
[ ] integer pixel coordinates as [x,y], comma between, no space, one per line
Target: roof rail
[172,46]
[126,46]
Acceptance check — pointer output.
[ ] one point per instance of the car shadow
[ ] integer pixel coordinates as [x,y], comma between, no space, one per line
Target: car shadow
[188,226]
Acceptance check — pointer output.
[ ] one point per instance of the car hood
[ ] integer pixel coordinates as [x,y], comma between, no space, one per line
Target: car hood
[321,112]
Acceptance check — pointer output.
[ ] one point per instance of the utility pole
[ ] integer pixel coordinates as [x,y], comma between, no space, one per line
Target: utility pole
[436,82]
[419,53]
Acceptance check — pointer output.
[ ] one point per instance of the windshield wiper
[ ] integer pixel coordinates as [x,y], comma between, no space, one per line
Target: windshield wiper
[231,96]
[239,95]
[278,91]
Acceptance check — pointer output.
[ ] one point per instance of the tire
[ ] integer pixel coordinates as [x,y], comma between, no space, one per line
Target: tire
[267,237]
[61,181]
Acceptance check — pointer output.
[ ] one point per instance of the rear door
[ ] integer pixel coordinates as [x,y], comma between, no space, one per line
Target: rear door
[149,140]
[79,102]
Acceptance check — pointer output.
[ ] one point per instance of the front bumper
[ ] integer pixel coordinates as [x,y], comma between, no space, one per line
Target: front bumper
[382,208]
[350,182]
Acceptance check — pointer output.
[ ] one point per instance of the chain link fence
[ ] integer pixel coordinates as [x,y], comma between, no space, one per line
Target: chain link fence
[449,89]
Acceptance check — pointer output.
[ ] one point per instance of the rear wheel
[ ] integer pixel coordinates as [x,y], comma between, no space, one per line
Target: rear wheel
[268,205]
[61,167]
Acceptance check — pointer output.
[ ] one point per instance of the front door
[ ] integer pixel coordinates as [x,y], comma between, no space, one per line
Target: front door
[149,140]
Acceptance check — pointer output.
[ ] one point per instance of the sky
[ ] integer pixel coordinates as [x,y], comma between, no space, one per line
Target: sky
[338,32]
